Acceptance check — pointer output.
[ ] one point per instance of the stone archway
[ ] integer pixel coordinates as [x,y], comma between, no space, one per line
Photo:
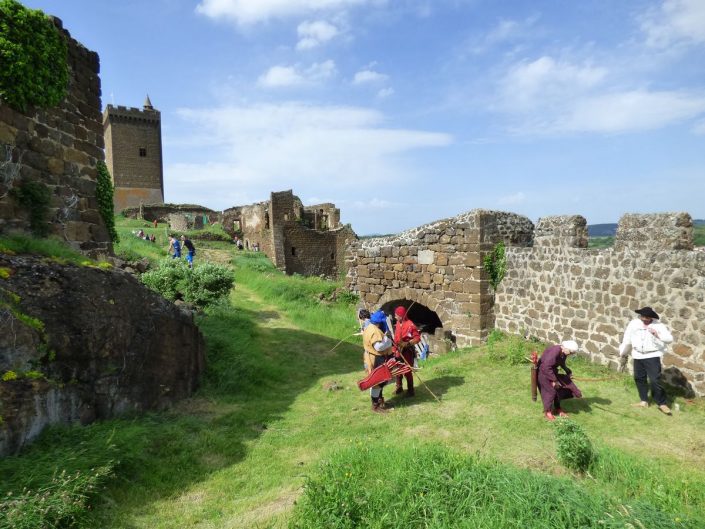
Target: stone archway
[415,296]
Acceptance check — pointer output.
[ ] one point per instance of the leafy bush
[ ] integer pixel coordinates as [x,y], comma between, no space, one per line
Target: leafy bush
[203,285]
[63,502]
[104,195]
[573,447]
[396,487]
[495,263]
[34,58]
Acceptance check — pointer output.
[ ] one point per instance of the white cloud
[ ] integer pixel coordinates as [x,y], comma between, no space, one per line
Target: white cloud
[246,12]
[385,92]
[369,76]
[266,147]
[547,96]
[278,76]
[504,31]
[513,199]
[287,76]
[540,82]
[630,111]
[313,34]
[374,203]
[675,21]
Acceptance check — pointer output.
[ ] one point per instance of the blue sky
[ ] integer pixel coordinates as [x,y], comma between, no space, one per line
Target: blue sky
[406,111]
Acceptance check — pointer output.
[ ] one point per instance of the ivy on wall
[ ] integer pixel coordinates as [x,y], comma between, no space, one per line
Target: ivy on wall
[104,194]
[495,263]
[35,197]
[33,58]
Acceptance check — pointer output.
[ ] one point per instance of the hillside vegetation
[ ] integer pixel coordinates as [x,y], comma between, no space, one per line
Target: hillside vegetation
[279,435]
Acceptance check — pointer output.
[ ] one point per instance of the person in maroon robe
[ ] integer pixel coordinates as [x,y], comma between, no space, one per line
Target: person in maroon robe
[555,386]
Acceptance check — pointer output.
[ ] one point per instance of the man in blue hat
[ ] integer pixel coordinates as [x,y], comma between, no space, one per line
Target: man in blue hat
[647,339]
[378,348]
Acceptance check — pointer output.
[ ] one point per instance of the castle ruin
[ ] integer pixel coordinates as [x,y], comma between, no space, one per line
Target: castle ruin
[307,240]
[133,154]
[554,288]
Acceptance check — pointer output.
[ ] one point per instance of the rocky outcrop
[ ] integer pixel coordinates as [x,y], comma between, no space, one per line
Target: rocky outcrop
[86,344]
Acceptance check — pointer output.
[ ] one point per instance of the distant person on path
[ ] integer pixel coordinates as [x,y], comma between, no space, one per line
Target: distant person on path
[378,349]
[647,339]
[555,386]
[174,247]
[156,224]
[186,243]
[406,336]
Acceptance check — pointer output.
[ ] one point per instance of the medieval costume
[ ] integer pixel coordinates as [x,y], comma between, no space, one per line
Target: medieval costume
[647,340]
[406,336]
[553,385]
[378,348]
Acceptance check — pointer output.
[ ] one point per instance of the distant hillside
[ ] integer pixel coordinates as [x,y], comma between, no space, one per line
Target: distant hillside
[602,230]
[610,230]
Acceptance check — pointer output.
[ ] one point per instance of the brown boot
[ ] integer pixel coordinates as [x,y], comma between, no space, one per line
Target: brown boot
[384,405]
[378,409]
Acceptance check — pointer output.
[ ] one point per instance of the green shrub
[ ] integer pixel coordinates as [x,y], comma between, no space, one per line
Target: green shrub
[207,284]
[203,285]
[34,58]
[495,264]
[398,487]
[104,195]
[63,502]
[573,447]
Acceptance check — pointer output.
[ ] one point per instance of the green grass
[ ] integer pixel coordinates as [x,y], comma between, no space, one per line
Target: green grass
[55,249]
[238,453]
[130,248]
[699,235]
[429,486]
[601,242]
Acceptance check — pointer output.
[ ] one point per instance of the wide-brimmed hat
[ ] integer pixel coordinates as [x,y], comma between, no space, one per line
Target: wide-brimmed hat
[647,312]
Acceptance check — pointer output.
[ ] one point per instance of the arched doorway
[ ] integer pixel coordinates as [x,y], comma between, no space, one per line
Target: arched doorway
[425,319]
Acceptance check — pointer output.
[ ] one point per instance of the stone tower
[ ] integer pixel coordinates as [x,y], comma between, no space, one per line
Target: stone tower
[133,154]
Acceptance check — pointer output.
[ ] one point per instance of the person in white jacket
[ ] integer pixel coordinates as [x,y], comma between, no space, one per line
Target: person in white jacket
[647,339]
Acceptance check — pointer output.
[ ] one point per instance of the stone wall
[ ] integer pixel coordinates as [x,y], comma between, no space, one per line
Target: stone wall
[58,147]
[559,289]
[311,252]
[104,344]
[438,265]
[161,212]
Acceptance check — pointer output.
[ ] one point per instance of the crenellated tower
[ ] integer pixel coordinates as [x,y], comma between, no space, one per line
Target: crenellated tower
[133,154]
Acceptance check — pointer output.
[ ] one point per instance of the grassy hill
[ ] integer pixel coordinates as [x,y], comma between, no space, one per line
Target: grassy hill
[279,400]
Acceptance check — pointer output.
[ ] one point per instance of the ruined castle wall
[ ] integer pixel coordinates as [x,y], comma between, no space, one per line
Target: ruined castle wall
[438,265]
[161,212]
[252,224]
[559,290]
[58,147]
[311,252]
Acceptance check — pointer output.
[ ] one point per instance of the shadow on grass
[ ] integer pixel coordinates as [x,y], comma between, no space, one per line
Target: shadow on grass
[254,374]
[584,405]
[439,386]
